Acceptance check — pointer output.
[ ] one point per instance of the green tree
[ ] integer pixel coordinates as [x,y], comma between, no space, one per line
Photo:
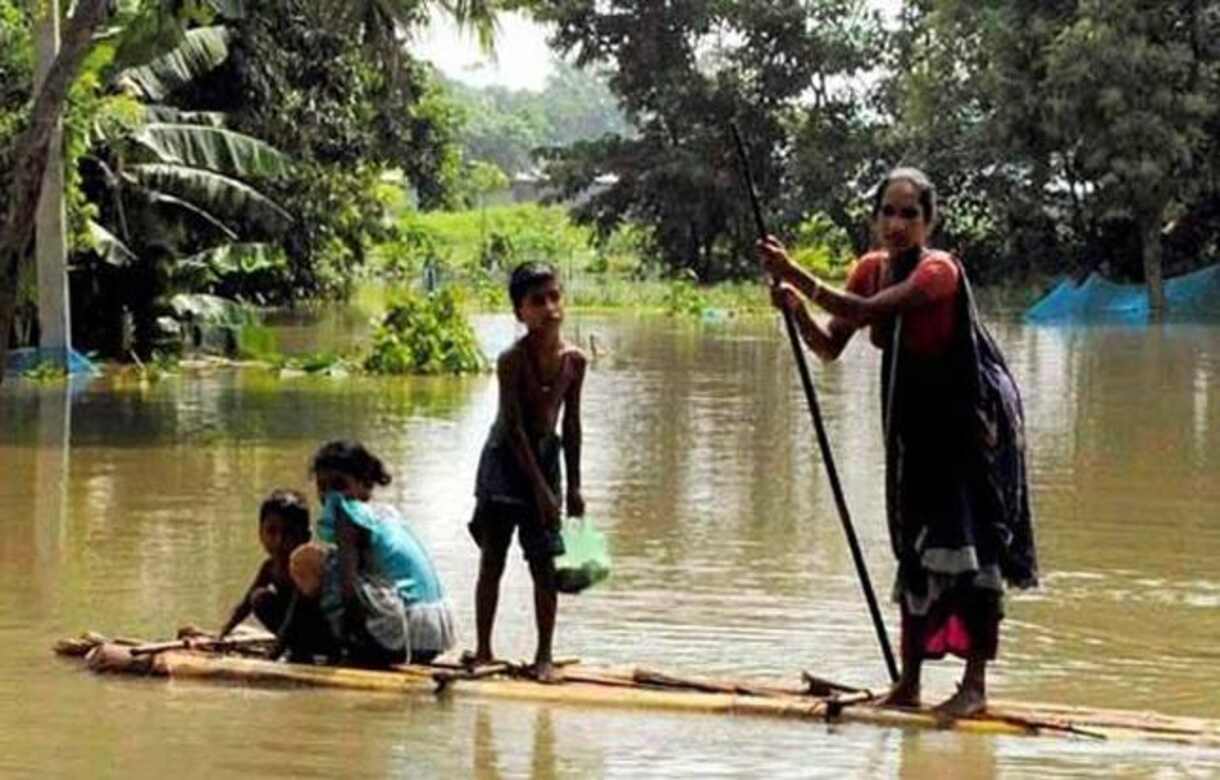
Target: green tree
[165,189]
[681,71]
[309,82]
[1075,130]
[948,109]
[1130,97]
[16,87]
[506,127]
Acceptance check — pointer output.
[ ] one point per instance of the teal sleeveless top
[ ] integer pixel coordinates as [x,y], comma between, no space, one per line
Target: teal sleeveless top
[395,554]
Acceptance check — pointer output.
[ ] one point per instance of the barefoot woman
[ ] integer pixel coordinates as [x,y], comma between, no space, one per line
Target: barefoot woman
[955,470]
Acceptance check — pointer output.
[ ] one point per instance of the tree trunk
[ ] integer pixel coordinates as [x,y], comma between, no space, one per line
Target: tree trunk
[31,153]
[1150,238]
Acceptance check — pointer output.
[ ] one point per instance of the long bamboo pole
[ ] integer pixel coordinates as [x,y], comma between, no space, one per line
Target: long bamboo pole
[823,440]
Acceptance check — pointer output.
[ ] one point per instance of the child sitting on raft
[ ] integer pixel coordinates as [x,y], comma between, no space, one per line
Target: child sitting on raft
[283,526]
[370,576]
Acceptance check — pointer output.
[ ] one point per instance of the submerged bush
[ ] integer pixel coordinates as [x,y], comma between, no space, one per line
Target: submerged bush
[46,371]
[683,298]
[425,334]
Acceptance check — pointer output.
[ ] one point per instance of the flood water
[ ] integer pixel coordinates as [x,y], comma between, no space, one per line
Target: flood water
[131,510]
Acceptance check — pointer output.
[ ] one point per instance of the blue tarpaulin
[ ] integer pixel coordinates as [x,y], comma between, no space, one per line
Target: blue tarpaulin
[1191,296]
[22,360]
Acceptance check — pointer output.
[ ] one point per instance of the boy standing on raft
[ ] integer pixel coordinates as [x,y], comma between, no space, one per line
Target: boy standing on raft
[518,482]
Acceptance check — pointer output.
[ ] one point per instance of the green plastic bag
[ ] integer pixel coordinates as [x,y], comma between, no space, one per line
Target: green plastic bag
[586,558]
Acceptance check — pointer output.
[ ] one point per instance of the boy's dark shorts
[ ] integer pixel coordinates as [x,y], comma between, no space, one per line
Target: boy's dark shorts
[492,529]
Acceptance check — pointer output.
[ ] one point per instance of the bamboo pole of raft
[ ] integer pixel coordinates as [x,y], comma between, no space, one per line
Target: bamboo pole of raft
[179,664]
[200,643]
[650,677]
[610,687]
[185,664]
[815,411]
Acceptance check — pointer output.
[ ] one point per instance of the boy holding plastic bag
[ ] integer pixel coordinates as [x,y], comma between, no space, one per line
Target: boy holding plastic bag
[518,482]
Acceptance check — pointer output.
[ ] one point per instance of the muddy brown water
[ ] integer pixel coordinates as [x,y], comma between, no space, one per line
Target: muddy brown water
[131,509]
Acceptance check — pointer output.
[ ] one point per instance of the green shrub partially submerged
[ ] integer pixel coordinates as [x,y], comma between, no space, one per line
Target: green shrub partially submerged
[425,334]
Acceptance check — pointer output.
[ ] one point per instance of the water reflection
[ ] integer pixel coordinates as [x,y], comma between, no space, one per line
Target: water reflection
[132,508]
[510,752]
[936,754]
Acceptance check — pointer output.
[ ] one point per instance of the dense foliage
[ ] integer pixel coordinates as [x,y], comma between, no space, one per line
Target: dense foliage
[1070,134]
[1064,136]
[266,150]
[243,149]
[16,84]
[783,71]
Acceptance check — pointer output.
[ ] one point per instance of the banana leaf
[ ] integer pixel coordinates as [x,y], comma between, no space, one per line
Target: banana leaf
[213,148]
[220,193]
[239,258]
[201,50]
[175,116]
[108,246]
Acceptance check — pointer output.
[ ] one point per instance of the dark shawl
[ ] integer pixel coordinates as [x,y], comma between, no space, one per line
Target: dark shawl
[958,414]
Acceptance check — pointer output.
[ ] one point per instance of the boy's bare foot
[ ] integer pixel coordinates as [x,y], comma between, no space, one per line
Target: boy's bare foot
[903,694]
[966,703]
[472,660]
[547,673]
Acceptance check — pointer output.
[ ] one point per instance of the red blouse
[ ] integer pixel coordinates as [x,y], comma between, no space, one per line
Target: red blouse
[927,330]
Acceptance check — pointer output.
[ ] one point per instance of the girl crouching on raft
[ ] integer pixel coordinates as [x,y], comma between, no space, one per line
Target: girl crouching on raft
[956,497]
[370,576]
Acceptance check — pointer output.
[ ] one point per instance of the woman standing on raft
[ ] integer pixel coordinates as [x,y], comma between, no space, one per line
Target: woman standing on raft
[956,495]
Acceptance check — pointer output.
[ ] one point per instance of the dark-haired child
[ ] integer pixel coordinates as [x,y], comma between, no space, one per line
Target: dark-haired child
[518,481]
[283,526]
[370,576]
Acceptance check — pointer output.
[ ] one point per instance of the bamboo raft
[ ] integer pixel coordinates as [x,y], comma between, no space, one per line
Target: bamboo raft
[242,660]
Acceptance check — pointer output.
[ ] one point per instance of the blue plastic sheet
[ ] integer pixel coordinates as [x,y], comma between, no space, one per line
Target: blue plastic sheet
[22,360]
[1190,296]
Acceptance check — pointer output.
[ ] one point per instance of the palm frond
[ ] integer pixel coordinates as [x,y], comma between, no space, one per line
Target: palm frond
[385,22]
[477,16]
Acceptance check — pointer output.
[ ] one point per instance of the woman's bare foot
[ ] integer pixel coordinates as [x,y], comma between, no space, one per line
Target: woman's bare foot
[547,673]
[968,702]
[903,694]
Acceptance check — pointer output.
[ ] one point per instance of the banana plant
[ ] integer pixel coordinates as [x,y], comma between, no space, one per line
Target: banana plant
[177,191]
[185,164]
